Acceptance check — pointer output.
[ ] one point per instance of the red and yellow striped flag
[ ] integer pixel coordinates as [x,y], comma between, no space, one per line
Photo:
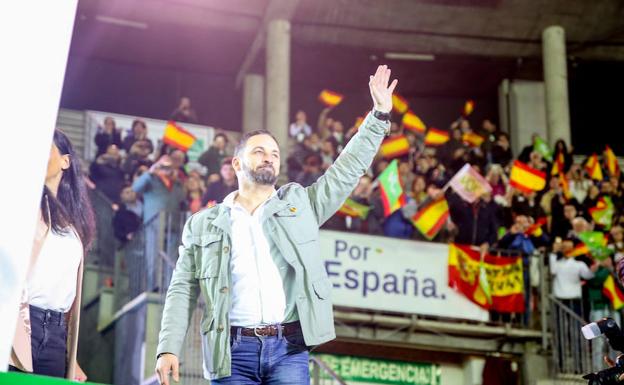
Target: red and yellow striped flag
[468,107]
[351,208]
[535,230]
[330,98]
[491,282]
[612,163]
[593,168]
[578,250]
[358,121]
[394,147]
[558,165]
[525,178]
[436,137]
[612,290]
[431,218]
[399,104]
[472,139]
[413,123]
[178,137]
[565,186]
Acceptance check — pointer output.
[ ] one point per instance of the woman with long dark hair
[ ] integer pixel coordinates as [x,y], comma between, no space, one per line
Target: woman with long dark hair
[46,339]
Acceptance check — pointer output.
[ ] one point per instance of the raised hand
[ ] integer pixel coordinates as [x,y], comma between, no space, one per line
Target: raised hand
[379,89]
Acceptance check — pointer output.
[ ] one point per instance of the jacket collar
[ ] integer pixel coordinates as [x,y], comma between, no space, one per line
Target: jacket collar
[219,216]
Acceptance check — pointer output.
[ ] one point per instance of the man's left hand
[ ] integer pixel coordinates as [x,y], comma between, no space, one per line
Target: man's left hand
[379,89]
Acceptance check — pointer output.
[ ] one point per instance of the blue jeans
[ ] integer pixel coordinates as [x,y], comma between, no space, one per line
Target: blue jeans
[48,342]
[278,360]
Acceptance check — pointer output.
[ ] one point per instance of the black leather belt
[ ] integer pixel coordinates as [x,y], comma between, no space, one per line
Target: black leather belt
[268,330]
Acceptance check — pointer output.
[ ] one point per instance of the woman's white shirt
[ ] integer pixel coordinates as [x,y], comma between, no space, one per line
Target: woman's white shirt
[52,281]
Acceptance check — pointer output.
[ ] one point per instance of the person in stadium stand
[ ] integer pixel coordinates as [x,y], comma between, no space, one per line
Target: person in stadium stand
[137,133]
[184,112]
[213,157]
[300,129]
[256,260]
[219,189]
[107,135]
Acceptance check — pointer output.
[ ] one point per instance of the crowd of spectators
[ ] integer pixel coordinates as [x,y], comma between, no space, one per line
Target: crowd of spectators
[501,220]
[140,179]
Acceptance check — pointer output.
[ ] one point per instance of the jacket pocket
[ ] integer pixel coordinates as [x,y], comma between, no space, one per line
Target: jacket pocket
[300,228]
[322,288]
[207,260]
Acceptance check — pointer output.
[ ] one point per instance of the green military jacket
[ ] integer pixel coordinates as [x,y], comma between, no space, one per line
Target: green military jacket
[292,220]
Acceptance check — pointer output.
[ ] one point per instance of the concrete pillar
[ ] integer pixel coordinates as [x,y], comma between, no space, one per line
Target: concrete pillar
[473,370]
[556,82]
[535,364]
[278,83]
[253,102]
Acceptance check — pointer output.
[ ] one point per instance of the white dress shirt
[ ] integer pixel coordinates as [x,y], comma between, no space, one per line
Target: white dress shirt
[568,273]
[258,296]
[52,281]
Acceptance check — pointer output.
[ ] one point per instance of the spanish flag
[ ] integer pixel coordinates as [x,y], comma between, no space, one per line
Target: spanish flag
[330,98]
[430,219]
[565,186]
[593,168]
[578,250]
[612,290]
[525,178]
[468,107]
[436,137]
[358,121]
[351,208]
[535,230]
[559,165]
[178,137]
[612,163]
[399,104]
[494,283]
[394,147]
[413,123]
[472,139]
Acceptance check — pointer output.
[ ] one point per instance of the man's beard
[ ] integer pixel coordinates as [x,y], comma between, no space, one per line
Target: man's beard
[264,175]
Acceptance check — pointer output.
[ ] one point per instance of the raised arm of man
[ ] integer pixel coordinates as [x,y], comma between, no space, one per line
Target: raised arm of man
[333,188]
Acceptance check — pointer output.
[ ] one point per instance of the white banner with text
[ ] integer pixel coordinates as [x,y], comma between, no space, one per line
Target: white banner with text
[389,274]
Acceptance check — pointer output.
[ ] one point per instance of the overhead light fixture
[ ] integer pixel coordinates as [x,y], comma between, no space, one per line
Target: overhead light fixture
[121,22]
[409,56]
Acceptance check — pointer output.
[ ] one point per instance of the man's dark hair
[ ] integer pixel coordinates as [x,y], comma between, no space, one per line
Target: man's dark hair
[243,140]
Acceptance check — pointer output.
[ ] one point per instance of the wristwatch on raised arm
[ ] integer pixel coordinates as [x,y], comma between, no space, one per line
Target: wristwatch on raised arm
[384,117]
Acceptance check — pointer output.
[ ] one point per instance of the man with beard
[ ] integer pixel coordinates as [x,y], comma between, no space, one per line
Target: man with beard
[256,260]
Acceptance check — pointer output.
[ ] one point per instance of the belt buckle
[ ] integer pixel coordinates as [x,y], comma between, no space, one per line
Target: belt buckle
[255,329]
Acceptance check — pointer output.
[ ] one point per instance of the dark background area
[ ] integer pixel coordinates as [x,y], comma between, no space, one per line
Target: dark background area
[597,106]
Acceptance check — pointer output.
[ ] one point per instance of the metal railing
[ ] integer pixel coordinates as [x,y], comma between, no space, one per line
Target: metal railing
[571,353]
[146,262]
